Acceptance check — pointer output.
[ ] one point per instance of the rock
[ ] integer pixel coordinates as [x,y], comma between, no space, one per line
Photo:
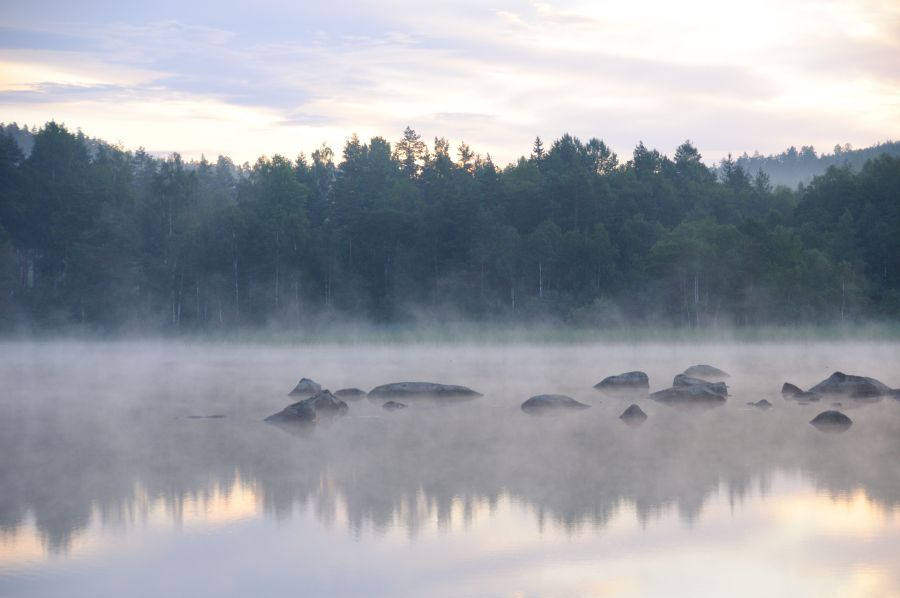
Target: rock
[350,394]
[305,388]
[629,381]
[541,404]
[684,381]
[311,409]
[297,413]
[831,421]
[789,391]
[707,372]
[428,390]
[761,404]
[840,383]
[633,416]
[393,406]
[895,393]
[699,395]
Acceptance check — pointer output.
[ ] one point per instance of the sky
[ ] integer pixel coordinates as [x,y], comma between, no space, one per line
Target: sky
[246,79]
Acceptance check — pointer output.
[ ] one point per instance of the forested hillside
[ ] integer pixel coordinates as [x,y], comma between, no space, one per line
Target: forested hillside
[93,235]
[794,167]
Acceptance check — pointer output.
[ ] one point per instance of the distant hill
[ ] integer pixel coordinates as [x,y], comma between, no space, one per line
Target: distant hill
[793,167]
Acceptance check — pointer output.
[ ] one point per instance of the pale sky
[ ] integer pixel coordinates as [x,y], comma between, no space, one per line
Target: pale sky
[251,78]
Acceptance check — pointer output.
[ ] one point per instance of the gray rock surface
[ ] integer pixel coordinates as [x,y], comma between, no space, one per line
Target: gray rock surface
[704,394]
[393,406]
[831,421]
[707,372]
[685,381]
[305,388]
[309,410]
[761,404]
[633,416]
[789,391]
[541,404]
[627,381]
[849,385]
[433,390]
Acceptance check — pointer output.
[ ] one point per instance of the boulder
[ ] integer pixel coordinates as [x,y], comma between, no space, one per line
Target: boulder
[831,421]
[629,381]
[707,372]
[761,404]
[633,416]
[393,406]
[685,381]
[427,390]
[699,395]
[541,404]
[311,409]
[843,384]
[789,391]
[350,394]
[305,388]
[297,413]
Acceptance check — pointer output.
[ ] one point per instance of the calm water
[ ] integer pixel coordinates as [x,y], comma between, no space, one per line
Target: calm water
[108,488]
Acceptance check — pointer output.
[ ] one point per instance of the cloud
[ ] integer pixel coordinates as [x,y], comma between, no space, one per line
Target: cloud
[495,75]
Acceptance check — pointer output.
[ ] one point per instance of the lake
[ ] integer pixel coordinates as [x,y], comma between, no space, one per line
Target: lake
[111,485]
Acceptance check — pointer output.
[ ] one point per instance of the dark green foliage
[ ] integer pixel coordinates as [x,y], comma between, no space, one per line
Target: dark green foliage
[93,235]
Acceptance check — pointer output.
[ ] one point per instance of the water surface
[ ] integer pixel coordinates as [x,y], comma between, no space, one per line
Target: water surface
[109,487]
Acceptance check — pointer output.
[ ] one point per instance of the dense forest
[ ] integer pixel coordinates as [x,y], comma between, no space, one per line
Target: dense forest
[95,236]
[794,167]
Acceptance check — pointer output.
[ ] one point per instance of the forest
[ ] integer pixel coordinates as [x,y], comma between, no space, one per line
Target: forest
[93,236]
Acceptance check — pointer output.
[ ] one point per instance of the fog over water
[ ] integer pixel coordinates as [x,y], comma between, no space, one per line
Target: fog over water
[111,487]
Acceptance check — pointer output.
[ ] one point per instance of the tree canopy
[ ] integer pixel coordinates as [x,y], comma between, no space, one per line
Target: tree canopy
[92,234]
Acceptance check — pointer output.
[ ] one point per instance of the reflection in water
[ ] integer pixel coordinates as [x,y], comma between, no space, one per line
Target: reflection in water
[99,456]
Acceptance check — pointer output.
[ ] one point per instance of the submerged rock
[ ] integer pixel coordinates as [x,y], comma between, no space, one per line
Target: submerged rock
[633,416]
[431,390]
[706,372]
[309,410]
[305,388]
[685,381]
[831,421]
[698,395]
[393,406]
[541,404]
[629,381]
[350,394]
[761,404]
[840,383]
[789,391]
[296,413]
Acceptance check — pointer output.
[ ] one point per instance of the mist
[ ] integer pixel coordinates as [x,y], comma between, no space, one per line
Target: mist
[107,440]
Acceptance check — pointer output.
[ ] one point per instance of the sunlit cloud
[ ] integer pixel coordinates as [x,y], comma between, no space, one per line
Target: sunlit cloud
[285,77]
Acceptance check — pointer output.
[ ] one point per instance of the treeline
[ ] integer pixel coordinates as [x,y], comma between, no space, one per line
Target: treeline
[93,235]
[794,167]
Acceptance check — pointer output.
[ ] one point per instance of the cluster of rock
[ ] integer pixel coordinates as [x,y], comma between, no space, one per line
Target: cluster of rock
[840,384]
[323,403]
[697,385]
[307,411]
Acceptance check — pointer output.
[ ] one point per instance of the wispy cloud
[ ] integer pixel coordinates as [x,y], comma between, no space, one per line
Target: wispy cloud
[285,76]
